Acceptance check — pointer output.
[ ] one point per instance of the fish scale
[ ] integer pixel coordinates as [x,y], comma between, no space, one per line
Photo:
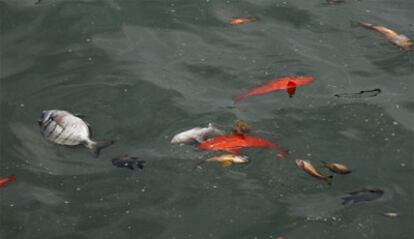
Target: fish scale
[64,128]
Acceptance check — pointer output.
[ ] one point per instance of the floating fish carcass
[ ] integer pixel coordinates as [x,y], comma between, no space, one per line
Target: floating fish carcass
[197,135]
[62,127]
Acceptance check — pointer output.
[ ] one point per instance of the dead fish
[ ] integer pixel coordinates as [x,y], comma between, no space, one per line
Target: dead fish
[363,195]
[336,168]
[197,134]
[126,161]
[62,127]
[226,160]
[241,127]
[391,214]
[308,167]
[361,94]
[398,39]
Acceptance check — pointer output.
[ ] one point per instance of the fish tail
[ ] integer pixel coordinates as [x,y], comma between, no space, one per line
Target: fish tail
[346,200]
[356,24]
[253,19]
[97,147]
[140,164]
[238,98]
[12,178]
[285,151]
[328,179]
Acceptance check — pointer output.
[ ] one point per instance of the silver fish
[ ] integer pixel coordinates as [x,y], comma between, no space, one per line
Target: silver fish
[196,134]
[62,127]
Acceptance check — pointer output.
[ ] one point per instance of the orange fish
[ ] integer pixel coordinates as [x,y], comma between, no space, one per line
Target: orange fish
[308,167]
[239,21]
[4,181]
[288,83]
[234,142]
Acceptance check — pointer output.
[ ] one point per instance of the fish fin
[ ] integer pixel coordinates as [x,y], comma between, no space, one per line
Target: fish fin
[79,115]
[89,129]
[12,178]
[329,180]
[238,98]
[234,151]
[97,147]
[280,155]
[140,164]
[199,139]
[291,88]
[346,200]
[356,24]
[285,151]
[226,163]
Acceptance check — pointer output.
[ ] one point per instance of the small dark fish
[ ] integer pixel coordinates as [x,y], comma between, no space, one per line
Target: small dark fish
[126,161]
[333,2]
[361,94]
[363,195]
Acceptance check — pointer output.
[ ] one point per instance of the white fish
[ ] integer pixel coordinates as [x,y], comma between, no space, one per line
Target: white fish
[196,134]
[62,127]
[391,214]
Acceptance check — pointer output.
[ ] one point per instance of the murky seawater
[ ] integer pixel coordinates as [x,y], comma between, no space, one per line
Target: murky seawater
[142,71]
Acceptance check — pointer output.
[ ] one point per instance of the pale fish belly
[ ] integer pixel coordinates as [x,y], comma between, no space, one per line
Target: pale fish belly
[70,131]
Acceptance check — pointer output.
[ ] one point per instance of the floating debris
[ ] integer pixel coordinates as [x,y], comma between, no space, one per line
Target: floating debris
[126,161]
[363,195]
[361,94]
[62,127]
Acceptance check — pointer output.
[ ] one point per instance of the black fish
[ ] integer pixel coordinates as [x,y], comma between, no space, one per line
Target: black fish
[361,94]
[363,195]
[126,161]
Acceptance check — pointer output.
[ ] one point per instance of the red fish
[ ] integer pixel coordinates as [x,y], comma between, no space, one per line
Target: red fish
[4,181]
[239,21]
[234,142]
[288,83]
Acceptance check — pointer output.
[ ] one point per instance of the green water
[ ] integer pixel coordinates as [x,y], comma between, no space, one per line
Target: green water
[142,71]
